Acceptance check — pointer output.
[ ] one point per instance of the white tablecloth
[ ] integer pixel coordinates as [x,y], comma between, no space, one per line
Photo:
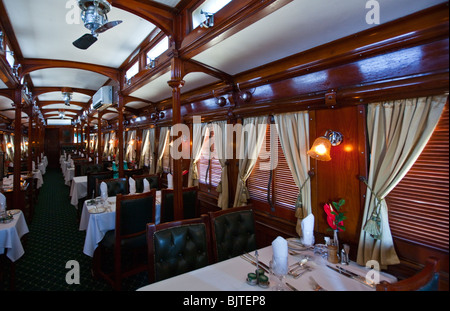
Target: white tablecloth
[78,189]
[41,167]
[68,175]
[230,275]
[96,225]
[37,174]
[10,234]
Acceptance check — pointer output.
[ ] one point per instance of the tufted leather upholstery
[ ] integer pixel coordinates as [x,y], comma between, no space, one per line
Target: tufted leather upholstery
[190,204]
[115,186]
[92,181]
[153,180]
[178,247]
[90,168]
[233,232]
[131,172]
[133,213]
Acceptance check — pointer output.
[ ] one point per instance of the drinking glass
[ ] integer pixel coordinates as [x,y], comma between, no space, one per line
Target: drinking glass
[278,268]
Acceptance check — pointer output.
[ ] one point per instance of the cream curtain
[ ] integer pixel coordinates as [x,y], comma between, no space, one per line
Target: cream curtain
[293,131]
[198,137]
[250,142]
[148,149]
[131,149]
[222,145]
[9,151]
[397,133]
[163,135]
[105,144]
[111,146]
[144,148]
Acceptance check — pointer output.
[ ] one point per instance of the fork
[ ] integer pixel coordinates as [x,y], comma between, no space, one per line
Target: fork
[315,286]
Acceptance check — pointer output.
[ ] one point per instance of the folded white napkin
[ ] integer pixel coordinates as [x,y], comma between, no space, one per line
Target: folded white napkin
[109,158]
[146,185]
[33,166]
[308,230]
[103,190]
[280,255]
[132,184]
[169,181]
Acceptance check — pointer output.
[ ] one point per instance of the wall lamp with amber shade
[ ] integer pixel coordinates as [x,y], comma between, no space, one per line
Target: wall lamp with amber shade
[320,150]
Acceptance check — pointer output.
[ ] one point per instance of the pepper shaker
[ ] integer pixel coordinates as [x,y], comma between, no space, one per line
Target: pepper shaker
[344,257]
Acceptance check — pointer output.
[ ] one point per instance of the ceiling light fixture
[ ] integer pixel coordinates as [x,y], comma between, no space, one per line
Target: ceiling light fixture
[151,63]
[67,97]
[209,21]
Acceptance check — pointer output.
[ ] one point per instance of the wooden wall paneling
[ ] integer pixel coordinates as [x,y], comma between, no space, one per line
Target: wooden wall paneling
[338,179]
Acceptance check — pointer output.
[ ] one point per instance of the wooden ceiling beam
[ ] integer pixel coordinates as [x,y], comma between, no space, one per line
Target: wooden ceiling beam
[158,14]
[30,65]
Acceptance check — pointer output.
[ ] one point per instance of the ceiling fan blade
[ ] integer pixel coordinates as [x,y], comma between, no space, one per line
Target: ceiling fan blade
[107,26]
[85,41]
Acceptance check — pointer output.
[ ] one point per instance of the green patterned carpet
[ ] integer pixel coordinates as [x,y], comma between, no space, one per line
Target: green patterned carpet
[53,240]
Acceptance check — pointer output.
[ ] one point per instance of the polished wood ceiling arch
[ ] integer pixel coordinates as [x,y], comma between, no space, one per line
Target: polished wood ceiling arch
[30,65]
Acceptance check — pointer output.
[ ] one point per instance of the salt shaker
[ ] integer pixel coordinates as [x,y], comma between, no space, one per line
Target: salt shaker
[344,257]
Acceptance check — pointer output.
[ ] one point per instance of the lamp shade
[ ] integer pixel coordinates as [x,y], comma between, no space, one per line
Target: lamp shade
[320,150]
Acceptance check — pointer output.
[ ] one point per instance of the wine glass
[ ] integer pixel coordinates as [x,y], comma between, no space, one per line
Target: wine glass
[278,268]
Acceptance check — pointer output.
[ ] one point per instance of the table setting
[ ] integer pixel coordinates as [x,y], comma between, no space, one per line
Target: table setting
[288,264]
[12,227]
[99,216]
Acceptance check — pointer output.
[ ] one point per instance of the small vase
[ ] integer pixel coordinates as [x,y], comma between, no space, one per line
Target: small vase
[336,240]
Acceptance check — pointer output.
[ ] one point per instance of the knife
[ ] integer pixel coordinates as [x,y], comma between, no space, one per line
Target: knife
[357,276]
[352,275]
[262,264]
[291,287]
[254,263]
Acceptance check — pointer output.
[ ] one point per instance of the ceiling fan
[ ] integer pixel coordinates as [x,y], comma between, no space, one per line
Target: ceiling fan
[93,15]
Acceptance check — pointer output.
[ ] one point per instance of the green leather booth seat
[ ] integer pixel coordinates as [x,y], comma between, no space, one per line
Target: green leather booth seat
[234,234]
[179,250]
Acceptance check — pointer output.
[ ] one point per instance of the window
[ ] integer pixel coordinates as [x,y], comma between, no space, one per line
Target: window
[10,56]
[283,190]
[419,204]
[134,70]
[159,48]
[209,168]
[209,6]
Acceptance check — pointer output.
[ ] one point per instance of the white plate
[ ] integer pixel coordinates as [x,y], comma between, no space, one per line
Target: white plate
[97,210]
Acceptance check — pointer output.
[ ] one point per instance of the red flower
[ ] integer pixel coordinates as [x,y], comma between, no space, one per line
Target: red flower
[331,218]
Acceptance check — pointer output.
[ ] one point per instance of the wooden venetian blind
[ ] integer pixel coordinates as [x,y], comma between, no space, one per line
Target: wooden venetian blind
[284,191]
[209,167]
[419,204]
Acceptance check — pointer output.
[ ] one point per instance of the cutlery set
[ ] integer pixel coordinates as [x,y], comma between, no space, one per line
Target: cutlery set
[299,268]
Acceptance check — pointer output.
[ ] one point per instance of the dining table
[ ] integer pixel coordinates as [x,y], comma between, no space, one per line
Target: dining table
[311,271]
[98,217]
[11,232]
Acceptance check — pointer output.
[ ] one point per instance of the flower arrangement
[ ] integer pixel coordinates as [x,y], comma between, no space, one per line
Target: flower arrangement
[335,216]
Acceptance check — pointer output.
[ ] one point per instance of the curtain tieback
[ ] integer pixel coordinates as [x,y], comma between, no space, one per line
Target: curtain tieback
[194,170]
[373,224]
